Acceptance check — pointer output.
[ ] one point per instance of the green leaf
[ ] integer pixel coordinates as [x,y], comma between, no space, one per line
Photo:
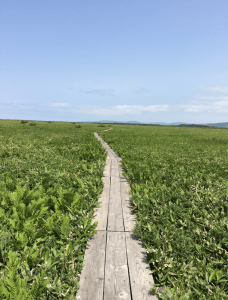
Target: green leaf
[212,276]
[219,274]
[206,276]
[204,261]
[85,222]
[172,219]
[69,248]
[46,256]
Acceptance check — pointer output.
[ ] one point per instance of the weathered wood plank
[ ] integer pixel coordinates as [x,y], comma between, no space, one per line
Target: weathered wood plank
[92,276]
[111,153]
[115,163]
[115,215]
[101,214]
[107,168]
[97,136]
[115,170]
[141,279]
[129,218]
[116,284]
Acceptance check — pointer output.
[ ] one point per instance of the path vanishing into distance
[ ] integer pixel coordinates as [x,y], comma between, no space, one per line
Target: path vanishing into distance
[115,265]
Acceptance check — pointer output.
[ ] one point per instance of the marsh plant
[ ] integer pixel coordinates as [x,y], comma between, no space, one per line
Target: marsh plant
[178,179]
[50,182]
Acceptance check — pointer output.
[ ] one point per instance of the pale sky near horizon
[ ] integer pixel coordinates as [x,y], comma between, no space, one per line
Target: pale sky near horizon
[147,61]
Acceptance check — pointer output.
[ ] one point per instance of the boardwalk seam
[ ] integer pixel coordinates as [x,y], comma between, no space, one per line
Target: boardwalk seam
[129,275]
[109,191]
[109,175]
[105,262]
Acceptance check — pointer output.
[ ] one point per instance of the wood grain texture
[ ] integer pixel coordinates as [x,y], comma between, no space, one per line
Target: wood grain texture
[114,170]
[115,214]
[141,279]
[101,213]
[116,284]
[129,218]
[107,168]
[92,276]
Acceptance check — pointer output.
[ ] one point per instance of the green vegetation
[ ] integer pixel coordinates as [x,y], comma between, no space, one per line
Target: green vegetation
[179,182]
[50,182]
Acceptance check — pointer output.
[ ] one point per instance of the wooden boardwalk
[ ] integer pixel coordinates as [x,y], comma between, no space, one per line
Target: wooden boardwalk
[115,266]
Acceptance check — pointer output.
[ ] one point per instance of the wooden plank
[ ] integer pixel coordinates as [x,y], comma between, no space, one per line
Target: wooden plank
[92,276]
[115,163]
[97,136]
[107,167]
[105,145]
[141,279]
[115,188]
[129,218]
[115,215]
[114,171]
[101,214]
[111,153]
[116,284]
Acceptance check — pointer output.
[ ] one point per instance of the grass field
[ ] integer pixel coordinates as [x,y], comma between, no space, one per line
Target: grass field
[179,183]
[50,181]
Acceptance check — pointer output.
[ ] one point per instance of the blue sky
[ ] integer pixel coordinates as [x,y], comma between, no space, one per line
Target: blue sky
[123,60]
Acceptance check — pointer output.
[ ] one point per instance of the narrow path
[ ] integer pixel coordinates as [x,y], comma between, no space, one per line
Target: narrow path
[115,266]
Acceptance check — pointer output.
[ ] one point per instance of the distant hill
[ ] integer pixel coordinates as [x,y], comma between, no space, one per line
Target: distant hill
[107,121]
[220,125]
[122,122]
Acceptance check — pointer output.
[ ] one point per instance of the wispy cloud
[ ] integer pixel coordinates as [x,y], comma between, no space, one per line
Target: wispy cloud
[212,93]
[16,106]
[33,107]
[124,109]
[58,105]
[212,97]
[212,107]
[212,100]
[218,89]
[205,104]
[100,92]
